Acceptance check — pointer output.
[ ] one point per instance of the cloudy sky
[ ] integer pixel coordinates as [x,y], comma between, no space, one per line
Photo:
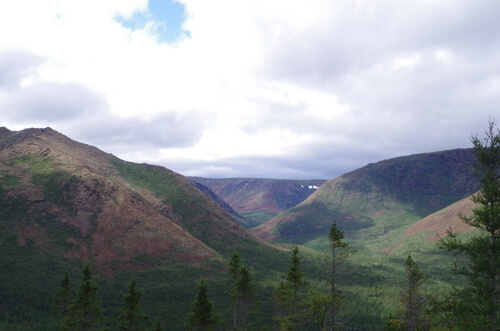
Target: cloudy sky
[253,88]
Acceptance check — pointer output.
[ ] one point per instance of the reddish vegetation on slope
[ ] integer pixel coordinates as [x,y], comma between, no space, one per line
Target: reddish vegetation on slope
[437,223]
[104,219]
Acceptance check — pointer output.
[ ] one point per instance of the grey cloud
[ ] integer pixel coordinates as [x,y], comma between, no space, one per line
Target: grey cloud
[15,65]
[128,135]
[51,103]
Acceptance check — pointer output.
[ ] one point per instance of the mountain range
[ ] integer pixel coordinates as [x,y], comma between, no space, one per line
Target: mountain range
[63,202]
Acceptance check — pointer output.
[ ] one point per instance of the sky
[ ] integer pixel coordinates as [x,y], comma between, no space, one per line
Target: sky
[253,88]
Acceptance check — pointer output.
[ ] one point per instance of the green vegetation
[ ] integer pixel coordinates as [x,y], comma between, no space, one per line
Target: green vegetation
[475,305]
[202,317]
[131,317]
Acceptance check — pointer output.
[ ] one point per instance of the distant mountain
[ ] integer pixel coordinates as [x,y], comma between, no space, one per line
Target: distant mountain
[258,200]
[223,204]
[379,197]
[71,200]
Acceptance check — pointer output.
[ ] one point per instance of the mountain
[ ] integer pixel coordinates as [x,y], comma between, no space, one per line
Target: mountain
[223,204]
[74,201]
[258,200]
[378,198]
[63,202]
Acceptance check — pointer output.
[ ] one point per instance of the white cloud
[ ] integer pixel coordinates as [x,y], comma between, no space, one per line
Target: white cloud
[342,83]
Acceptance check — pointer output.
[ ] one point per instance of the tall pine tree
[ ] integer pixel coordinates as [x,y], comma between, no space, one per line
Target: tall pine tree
[339,250]
[202,317]
[244,296]
[412,298]
[475,306]
[233,275]
[131,317]
[62,303]
[290,295]
[85,310]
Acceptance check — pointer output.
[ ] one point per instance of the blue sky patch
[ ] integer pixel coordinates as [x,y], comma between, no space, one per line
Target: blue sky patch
[168,14]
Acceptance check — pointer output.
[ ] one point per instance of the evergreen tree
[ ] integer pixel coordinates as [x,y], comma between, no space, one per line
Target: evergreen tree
[475,306]
[244,296]
[234,274]
[62,302]
[412,298]
[289,295]
[202,317]
[339,250]
[86,309]
[131,317]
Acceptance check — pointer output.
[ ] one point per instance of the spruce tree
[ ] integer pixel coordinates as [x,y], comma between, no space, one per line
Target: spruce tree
[131,317]
[85,310]
[339,250]
[233,275]
[202,317]
[475,306]
[412,298]
[244,296]
[290,295]
[62,302]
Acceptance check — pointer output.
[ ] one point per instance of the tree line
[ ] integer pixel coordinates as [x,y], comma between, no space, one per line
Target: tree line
[474,306]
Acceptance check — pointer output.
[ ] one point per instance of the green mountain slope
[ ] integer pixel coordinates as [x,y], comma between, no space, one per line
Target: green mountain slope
[378,198]
[258,199]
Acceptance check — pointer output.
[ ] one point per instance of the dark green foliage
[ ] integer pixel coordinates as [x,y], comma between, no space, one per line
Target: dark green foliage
[319,304]
[339,250]
[131,317]
[412,315]
[290,296]
[476,304]
[62,301]
[244,296]
[202,317]
[233,275]
[158,326]
[86,311]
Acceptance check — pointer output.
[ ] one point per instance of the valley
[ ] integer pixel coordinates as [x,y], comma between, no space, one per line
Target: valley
[63,203]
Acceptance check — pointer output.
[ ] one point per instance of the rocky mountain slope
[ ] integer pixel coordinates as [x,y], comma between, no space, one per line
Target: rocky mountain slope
[378,198]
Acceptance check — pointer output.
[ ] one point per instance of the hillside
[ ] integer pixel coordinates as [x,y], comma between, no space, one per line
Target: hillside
[378,198]
[258,199]
[75,201]
[435,225]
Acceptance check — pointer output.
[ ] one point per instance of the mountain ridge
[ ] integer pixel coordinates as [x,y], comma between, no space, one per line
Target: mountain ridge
[376,195]
[113,214]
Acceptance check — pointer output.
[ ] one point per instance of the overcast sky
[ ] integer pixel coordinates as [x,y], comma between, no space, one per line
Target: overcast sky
[257,88]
